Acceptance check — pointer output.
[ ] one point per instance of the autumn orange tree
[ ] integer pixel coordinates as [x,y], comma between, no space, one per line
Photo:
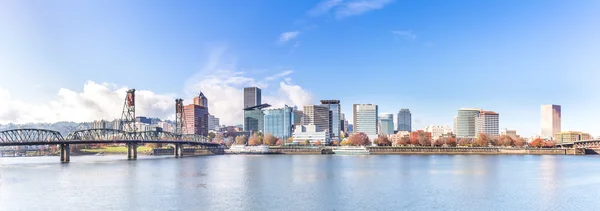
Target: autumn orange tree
[279,142]
[255,140]
[451,142]
[270,139]
[438,143]
[464,142]
[538,142]
[520,142]
[482,140]
[241,140]
[359,139]
[403,141]
[413,140]
[383,141]
[506,141]
[318,143]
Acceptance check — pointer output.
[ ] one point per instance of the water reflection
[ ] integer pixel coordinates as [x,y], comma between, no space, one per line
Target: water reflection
[302,182]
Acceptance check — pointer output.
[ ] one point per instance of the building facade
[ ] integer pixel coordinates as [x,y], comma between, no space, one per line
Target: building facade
[465,122]
[570,137]
[252,97]
[404,120]
[298,117]
[213,123]
[254,118]
[510,133]
[335,117]
[551,117]
[311,133]
[316,115]
[487,122]
[366,119]
[437,131]
[386,124]
[279,122]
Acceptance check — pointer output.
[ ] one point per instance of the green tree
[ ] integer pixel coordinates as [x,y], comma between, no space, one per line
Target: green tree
[306,142]
[211,135]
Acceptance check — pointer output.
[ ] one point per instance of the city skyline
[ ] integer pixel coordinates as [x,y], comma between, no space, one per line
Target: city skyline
[54,79]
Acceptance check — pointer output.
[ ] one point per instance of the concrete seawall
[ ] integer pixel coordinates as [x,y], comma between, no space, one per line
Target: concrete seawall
[436,150]
[467,150]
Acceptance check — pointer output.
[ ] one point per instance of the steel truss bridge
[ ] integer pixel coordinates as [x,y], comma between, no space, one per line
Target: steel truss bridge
[33,137]
[594,143]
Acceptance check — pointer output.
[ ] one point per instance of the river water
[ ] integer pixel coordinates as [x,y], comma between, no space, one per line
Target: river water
[302,182]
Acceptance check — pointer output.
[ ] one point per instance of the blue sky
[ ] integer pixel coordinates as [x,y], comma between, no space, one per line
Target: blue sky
[432,57]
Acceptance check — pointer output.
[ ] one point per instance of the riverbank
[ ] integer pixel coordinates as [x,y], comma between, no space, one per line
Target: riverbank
[436,150]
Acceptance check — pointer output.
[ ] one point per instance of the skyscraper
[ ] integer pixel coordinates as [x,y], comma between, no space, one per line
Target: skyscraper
[366,119]
[334,121]
[551,115]
[465,122]
[279,122]
[386,124]
[196,116]
[252,97]
[316,115]
[404,120]
[487,122]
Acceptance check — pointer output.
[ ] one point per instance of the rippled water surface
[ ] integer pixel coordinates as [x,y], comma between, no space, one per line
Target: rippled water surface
[302,182]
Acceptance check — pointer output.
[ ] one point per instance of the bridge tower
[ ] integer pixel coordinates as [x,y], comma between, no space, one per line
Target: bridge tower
[128,115]
[179,116]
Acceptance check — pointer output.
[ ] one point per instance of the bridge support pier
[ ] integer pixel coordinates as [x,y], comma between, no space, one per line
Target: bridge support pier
[65,153]
[131,151]
[178,150]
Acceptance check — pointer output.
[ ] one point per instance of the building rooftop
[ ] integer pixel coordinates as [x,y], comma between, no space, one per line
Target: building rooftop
[261,106]
[330,102]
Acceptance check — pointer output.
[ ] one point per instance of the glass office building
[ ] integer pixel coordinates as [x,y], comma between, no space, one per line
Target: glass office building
[254,118]
[404,120]
[279,122]
[386,124]
[334,118]
[465,122]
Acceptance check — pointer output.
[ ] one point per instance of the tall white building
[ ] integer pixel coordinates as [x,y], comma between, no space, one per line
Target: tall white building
[437,130]
[366,119]
[550,120]
[487,122]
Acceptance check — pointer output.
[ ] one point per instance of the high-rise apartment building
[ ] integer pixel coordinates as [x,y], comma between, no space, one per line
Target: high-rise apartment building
[404,120]
[386,124]
[487,122]
[334,120]
[316,115]
[252,97]
[366,119]
[279,122]
[465,122]
[196,116]
[550,120]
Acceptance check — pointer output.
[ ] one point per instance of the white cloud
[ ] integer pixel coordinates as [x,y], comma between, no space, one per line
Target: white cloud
[96,101]
[287,36]
[323,7]
[409,35]
[223,87]
[279,75]
[359,7]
